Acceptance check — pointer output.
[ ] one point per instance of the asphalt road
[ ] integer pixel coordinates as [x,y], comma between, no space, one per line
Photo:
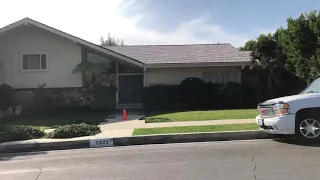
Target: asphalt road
[233,160]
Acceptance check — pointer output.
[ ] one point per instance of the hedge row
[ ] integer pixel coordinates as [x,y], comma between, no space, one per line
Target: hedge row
[17,133]
[75,130]
[193,93]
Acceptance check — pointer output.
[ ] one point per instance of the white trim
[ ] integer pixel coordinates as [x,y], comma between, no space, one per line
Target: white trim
[33,70]
[70,37]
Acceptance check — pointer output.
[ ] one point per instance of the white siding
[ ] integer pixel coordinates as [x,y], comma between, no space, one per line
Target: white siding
[177,75]
[62,56]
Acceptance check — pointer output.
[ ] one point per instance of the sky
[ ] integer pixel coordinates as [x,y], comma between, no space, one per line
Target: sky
[141,22]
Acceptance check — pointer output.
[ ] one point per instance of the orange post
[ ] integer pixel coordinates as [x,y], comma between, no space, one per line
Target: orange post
[124,115]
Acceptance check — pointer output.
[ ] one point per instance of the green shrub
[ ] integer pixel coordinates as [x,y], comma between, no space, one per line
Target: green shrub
[75,130]
[231,96]
[193,91]
[193,94]
[104,96]
[250,97]
[6,96]
[213,100]
[161,96]
[16,133]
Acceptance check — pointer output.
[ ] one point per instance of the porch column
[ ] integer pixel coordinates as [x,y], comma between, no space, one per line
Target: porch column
[117,77]
[239,76]
[145,77]
[84,58]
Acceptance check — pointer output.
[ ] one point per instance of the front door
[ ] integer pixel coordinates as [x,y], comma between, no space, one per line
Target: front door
[130,88]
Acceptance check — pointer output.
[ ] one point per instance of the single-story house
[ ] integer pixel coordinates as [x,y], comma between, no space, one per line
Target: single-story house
[33,53]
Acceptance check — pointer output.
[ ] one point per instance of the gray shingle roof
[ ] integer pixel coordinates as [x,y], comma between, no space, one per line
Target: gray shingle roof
[193,53]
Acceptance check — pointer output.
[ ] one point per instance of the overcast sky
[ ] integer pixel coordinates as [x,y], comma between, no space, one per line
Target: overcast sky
[159,21]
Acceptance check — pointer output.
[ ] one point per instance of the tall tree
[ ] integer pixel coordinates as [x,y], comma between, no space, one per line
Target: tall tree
[248,46]
[295,48]
[111,41]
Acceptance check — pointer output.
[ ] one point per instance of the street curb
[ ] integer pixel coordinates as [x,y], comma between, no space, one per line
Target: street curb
[190,137]
[43,146]
[135,140]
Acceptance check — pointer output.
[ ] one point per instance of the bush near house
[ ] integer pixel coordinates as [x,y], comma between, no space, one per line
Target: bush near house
[17,133]
[159,96]
[193,93]
[75,130]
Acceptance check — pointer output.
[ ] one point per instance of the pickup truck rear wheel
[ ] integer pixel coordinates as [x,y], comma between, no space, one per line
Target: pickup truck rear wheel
[308,129]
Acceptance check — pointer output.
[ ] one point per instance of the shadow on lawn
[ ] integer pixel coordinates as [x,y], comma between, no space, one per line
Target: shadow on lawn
[198,114]
[149,114]
[59,118]
[20,156]
[160,112]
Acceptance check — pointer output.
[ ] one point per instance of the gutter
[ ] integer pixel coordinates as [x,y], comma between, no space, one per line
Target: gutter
[210,64]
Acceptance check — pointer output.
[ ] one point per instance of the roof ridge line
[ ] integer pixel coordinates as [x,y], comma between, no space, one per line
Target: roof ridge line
[177,44]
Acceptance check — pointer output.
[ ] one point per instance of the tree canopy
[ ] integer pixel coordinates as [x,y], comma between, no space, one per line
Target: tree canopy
[295,48]
[111,41]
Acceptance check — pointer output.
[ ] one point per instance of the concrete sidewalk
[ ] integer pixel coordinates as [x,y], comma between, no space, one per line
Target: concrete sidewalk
[116,127]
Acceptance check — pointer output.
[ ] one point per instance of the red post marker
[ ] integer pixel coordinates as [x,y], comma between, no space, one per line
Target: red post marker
[124,115]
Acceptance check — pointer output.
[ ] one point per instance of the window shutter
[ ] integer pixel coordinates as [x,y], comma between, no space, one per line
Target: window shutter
[25,61]
[43,61]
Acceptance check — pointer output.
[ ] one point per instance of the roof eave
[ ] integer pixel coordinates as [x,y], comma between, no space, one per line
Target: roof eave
[204,64]
[75,39]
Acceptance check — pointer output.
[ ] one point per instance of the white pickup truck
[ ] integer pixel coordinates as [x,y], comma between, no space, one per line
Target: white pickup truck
[297,115]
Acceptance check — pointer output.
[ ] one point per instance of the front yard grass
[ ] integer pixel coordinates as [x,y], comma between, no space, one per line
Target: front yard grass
[191,129]
[201,115]
[54,120]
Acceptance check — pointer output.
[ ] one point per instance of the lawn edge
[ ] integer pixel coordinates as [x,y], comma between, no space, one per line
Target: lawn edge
[147,120]
[198,126]
[24,146]
[162,115]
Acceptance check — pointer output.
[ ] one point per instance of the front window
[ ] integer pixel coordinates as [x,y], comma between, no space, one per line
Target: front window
[220,76]
[314,87]
[34,62]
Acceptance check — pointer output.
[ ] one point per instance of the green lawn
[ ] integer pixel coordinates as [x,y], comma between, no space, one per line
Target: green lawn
[59,119]
[202,115]
[191,129]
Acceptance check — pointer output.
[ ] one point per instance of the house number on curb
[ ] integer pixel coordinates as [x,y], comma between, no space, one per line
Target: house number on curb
[104,142]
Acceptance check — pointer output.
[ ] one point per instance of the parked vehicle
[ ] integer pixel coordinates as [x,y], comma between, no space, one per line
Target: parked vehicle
[297,115]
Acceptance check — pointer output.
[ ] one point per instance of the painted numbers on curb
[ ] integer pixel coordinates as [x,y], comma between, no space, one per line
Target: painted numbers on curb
[103,142]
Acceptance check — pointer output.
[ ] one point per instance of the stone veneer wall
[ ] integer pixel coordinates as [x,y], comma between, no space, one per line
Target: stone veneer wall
[103,96]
